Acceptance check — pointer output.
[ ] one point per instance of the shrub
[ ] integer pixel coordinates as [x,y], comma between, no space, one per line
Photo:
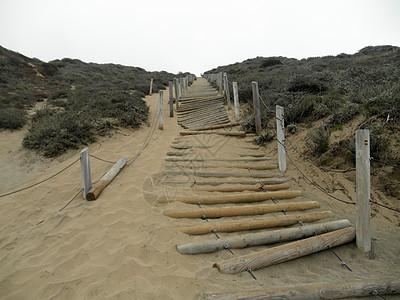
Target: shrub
[320,138]
[269,62]
[345,114]
[55,134]
[292,128]
[265,136]
[12,118]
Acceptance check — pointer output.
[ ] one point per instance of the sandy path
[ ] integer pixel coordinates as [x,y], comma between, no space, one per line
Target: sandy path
[122,247]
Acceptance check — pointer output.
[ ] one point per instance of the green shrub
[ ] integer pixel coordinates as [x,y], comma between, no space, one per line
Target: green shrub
[12,118]
[56,134]
[345,114]
[264,137]
[319,137]
[291,128]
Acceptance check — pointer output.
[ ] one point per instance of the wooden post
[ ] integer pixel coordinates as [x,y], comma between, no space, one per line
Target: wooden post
[256,105]
[363,209]
[177,93]
[151,86]
[219,83]
[160,110]
[227,92]
[85,170]
[236,100]
[96,190]
[187,82]
[280,132]
[171,100]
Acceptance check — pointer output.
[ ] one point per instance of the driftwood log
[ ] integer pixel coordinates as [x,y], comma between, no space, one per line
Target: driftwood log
[96,190]
[246,210]
[278,254]
[251,224]
[236,198]
[314,291]
[262,238]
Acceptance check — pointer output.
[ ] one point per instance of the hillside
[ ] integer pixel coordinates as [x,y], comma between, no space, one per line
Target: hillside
[325,96]
[69,102]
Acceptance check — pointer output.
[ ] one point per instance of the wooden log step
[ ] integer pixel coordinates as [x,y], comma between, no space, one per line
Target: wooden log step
[245,159]
[241,188]
[226,133]
[96,190]
[221,175]
[314,291]
[246,210]
[236,198]
[278,254]
[231,166]
[252,155]
[216,126]
[171,153]
[181,147]
[262,238]
[216,183]
[252,224]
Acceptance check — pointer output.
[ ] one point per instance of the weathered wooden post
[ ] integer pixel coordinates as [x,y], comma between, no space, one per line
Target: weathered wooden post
[280,132]
[219,79]
[160,110]
[363,209]
[85,170]
[171,99]
[256,105]
[236,100]
[187,82]
[227,92]
[151,86]
[177,93]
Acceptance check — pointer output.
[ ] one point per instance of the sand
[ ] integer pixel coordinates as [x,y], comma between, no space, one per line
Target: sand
[121,246]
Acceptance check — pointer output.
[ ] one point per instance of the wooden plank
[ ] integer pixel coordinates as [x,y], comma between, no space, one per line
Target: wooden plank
[278,254]
[244,159]
[151,86]
[246,210]
[230,166]
[313,291]
[363,209]
[252,224]
[237,198]
[262,238]
[96,190]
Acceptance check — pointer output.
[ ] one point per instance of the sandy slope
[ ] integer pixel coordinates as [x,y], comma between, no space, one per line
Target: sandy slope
[121,246]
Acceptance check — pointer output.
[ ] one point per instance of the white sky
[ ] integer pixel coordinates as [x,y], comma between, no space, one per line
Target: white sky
[195,36]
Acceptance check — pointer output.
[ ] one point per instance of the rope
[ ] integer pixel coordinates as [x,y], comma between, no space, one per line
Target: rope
[104,160]
[44,180]
[71,200]
[385,163]
[148,138]
[319,167]
[387,207]
[312,182]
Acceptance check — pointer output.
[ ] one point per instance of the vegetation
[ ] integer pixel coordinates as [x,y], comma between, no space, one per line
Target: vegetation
[333,88]
[82,100]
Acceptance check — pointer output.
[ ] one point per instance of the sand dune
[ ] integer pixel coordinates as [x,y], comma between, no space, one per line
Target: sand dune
[122,247]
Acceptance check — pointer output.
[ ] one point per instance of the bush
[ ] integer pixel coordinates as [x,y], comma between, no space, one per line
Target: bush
[12,118]
[320,139]
[56,134]
[292,128]
[264,137]
[345,114]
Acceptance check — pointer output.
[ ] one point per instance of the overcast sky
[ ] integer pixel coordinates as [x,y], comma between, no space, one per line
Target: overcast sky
[195,36]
